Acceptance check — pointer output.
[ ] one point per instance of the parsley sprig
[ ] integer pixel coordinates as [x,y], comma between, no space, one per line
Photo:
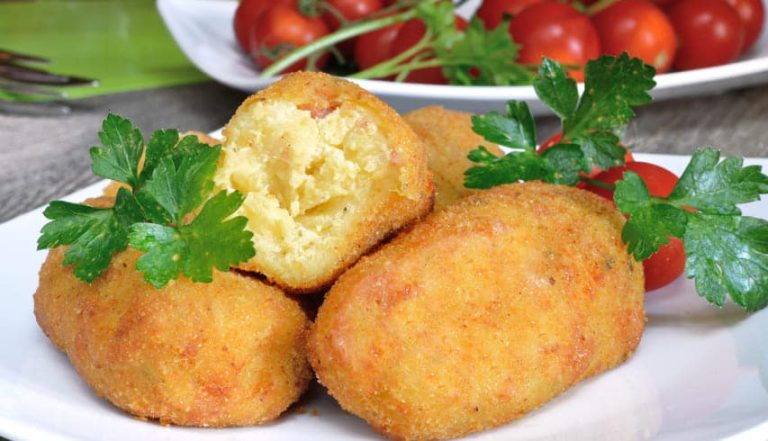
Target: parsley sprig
[726,252]
[151,214]
[474,56]
[590,124]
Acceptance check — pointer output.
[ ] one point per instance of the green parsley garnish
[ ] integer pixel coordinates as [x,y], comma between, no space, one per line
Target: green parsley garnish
[590,124]
[175,182]
[726,253]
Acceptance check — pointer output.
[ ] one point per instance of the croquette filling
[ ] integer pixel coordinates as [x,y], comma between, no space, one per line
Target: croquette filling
[305,176]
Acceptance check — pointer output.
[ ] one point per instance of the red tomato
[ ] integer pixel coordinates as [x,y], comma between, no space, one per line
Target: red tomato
[374,47]
[752,13]
[668,262]
[411,33]
[246,16]
[558,31]
[352,10]
[281,29]
[640,28]
[491,12]
[557,137]
[709,32]
[665,265]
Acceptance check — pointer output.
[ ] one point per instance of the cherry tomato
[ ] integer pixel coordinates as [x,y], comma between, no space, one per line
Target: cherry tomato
[246,16]
[351,10]
[492,12]
[709,33]
[668,262]
[557,137]
[411,33]
[752,13]
[666,265]
[281,29]
[558,31]
[640,28]
[374,47]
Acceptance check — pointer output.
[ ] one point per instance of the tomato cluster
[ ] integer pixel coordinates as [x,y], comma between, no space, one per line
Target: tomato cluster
[667,34]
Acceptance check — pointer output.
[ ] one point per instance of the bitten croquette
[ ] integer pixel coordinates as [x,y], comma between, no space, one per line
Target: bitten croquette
[327,170]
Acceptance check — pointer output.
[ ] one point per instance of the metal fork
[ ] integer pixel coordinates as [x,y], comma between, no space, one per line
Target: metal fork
[29,89]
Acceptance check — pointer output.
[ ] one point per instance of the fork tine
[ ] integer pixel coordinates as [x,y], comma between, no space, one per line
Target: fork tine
[47,108]
[29,89]
[31,75]
[6,55]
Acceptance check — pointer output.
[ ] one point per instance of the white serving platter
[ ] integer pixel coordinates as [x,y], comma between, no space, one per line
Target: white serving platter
[700,373]
[203,30]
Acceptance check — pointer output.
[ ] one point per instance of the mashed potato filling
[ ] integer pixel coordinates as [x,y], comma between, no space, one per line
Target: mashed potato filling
[306,176]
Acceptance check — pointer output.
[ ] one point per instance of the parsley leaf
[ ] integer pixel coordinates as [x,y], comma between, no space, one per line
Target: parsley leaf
[516,129]
[612,86]
[728,255]
[194,249]
[93,234]
[651,222]
[717,187]
[556,89]
[118,157]
[160,144]
[180,189]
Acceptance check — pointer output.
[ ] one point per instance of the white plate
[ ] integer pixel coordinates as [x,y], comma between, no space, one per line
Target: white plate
[203,31]
[699,374]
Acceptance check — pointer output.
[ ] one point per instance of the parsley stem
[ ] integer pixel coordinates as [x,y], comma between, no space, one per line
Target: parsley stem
[333,38]
[596,183]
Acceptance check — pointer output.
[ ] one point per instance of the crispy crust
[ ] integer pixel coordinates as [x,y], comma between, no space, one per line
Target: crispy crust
[448,138]
[482,312]
[414,195]
[225,353]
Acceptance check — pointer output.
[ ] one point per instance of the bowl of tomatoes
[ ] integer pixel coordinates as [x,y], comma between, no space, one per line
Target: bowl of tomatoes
[474,55]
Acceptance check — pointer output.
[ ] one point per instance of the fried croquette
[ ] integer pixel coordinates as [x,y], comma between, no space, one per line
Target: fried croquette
[448,138]
[480,313]
[226,353]
[327,170]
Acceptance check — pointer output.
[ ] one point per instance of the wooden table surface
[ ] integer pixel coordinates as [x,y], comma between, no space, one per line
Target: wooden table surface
[43,158]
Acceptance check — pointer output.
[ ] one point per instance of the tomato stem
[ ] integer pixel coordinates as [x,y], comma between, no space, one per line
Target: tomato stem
[390,66]
[599,6]
[333,38]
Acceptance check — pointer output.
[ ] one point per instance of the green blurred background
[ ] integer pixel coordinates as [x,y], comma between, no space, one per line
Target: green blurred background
[121,43]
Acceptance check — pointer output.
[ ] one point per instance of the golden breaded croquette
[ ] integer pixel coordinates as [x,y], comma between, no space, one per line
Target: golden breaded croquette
[225,353]
[480,313]
[448,138]
[327,170]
